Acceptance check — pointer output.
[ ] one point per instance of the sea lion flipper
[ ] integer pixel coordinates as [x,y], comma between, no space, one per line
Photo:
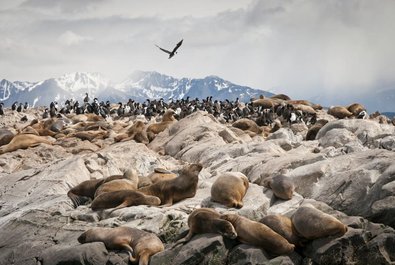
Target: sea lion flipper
[74,198]
[184,240]
[122,205]
[273,200]
[161,170]
[130,251]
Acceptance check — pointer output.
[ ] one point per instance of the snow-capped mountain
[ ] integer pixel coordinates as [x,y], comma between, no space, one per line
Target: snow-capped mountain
[142,85]
[89,82]
[73,85]
[138,86]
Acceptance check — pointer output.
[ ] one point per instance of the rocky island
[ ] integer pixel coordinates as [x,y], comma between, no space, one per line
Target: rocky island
[346,171]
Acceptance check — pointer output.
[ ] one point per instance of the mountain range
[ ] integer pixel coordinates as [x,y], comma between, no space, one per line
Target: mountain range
[139,86]
[142,85]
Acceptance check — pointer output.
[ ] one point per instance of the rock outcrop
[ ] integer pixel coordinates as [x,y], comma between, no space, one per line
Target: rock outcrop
[348,172]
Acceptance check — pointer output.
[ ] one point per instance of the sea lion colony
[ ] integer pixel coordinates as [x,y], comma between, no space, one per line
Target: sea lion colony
[259,117]
[93,121]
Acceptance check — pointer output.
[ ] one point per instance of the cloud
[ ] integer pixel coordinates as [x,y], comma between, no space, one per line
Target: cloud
[64,6]
[70,38]
[297,47]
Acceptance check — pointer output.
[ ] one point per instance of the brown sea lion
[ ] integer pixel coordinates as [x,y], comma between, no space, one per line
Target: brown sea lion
[144,181]
[247,124]
[282,186]
[305,109]
[90,135]
[311,223]
[29,130]
[130,181]
[282,225]
[356,109]
[306,103]
[265,103]
[135,132]
[5,136]
[160,174]
[23,141]
[142,244]
[155,128]
[174,190]
[229,189]
[257,234]
[312,132]
[281,96]
[87,189]
[169,116]
[206,220]
[123,198]
[138,132]
[339,112]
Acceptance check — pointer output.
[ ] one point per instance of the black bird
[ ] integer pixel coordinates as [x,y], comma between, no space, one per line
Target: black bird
[1,108]
[13,107]
[19,108]
[174,51]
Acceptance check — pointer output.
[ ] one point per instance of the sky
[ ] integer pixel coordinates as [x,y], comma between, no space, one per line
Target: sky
[297,47]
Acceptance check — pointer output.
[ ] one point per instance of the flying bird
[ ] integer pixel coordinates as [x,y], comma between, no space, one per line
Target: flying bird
[174,51]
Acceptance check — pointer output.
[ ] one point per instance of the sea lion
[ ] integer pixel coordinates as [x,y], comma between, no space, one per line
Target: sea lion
[305,109]
[265,103]
[313,131]
[311,223]
[122,198]
[135,132]
[160,174]
[206,220]
[155,128]
[282,225]
[282,186]
[142,244]
[169,116]
[129,181]
[138,132]
[144,181]
[229,189]
[281,96]
[356,109]
[23,141]
[5,136]
[257,234]
[174,190]
[90,135]
[247,124]
[29,130]
[339,112]
[88,189]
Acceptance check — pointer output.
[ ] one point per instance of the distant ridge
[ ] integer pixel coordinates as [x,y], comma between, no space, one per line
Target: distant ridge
[139,86]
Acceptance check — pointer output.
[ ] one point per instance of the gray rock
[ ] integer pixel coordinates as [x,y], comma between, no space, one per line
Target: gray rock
[202,249]
[247,255]
[85,254]
[357,246]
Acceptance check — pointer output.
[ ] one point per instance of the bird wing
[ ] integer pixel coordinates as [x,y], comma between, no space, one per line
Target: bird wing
[166,51]
[177,46]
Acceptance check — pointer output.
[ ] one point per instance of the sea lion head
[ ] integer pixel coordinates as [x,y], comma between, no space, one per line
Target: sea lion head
[227,229]
[152,200]
[83,238]
[130,174]
[195,168]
